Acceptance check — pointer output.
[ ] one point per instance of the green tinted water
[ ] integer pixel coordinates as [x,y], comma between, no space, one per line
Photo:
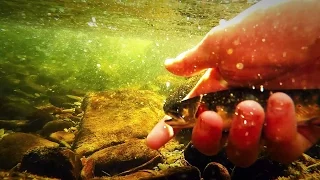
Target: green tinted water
[68,46]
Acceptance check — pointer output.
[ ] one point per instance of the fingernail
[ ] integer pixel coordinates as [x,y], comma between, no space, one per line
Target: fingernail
[247,117]
[209,121]
[277,107]
[207,133]
[247,125]
[162,129]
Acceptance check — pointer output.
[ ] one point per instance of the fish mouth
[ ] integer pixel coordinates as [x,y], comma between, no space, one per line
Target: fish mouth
[178,123]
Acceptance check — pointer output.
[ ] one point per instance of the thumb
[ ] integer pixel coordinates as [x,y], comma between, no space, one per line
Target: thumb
[202,56]
[211,81]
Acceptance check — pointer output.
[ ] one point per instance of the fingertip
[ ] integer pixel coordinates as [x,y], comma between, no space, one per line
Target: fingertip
[207,133]
[245,132]
[281,125]
[247,124]
[283,141]
[159,135]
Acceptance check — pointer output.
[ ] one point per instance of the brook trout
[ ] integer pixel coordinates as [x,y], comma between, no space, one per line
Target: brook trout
[184,113]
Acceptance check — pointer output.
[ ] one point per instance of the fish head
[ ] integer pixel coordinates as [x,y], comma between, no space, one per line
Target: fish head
[182,113]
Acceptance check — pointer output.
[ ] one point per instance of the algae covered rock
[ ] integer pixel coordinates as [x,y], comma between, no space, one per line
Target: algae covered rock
[127,157]
[62,137]
[22,175]
[134,176]
[13,147]
[51,162]
[10,109]
[113,117]
[54,126]
[178,173]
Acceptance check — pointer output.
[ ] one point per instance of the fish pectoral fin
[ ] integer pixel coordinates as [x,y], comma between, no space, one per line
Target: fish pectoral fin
[175,122]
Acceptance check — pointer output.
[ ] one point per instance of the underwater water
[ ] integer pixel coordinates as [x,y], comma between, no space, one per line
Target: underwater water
[60,46]
[53,48]
[83,81]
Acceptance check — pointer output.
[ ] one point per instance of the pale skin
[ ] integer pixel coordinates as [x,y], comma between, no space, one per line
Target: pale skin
[275,44]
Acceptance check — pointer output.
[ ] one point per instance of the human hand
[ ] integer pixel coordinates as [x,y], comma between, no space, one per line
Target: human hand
[274,45]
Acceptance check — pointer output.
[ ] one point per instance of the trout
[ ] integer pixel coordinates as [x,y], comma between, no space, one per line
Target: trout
[185,113]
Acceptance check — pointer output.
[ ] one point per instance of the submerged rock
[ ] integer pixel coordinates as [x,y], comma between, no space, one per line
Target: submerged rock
[196,158]
[54,126]
[62,101]
[263,168]
[124,158]
[52,162]
[304,168]
[37,120]
[15,110]
[178,173]
[13,146]
[14,124]
[62,137]
[12,175]
[113,117]
[215,171]
[134,176]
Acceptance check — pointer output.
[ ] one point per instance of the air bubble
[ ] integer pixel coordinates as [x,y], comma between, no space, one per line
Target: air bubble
[168,84]
[261,88]
[284,54]
[236,42]
[239,66]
